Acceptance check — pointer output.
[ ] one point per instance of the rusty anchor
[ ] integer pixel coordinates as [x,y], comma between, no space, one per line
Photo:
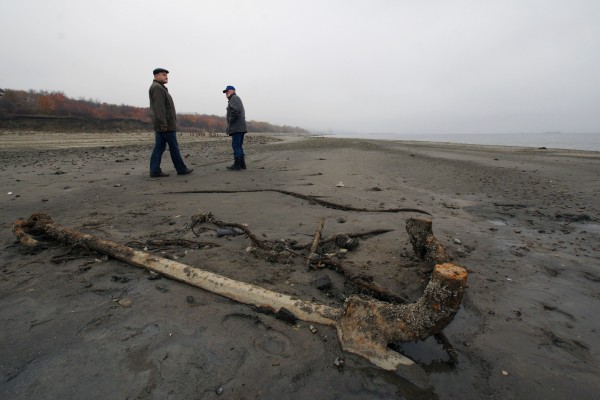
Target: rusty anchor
[364,326]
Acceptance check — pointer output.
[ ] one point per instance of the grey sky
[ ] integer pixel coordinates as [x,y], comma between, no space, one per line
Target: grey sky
[426,66]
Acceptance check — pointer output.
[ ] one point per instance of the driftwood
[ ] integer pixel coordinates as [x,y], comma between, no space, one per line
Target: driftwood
[364,326]
[343,240]
[315,244]
[339,236]
[208,217]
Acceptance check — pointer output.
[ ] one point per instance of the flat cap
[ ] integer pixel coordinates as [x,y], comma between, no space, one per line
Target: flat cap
[159,70]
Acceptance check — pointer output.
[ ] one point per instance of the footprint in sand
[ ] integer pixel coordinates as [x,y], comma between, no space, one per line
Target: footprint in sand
[252,330]
[103,327]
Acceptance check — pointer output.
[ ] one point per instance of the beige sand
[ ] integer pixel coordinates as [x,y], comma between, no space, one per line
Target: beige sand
[75,325]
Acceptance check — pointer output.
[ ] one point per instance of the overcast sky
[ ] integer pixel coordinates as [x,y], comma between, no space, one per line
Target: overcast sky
[422,66]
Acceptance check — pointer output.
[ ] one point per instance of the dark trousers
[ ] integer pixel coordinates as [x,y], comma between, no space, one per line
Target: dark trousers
[237,143]
[160,144]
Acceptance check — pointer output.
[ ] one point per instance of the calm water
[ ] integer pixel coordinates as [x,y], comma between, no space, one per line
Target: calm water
[576,141]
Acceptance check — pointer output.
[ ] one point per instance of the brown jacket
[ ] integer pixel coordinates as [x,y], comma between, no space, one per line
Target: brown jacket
[162,108]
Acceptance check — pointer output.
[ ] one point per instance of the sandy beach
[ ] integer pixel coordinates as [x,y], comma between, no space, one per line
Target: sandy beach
[524,222]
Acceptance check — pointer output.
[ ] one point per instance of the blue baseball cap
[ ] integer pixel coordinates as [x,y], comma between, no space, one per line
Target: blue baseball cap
[229,87]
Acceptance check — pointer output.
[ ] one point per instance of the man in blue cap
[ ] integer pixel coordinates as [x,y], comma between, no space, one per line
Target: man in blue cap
[164,119]
[236,128]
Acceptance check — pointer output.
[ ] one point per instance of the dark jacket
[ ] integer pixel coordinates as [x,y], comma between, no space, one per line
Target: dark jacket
[236,116]
[162,108]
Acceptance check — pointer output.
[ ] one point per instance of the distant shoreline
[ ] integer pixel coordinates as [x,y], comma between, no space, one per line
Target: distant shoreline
[554,140]
[23,140]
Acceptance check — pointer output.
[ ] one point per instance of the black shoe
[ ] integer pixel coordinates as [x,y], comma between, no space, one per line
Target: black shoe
[243,162]
[236,166]
[187,171]
[158,174]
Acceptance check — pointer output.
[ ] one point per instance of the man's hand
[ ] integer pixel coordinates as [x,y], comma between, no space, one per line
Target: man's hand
[163,128]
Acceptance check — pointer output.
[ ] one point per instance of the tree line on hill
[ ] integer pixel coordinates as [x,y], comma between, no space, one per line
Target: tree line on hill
[41,109]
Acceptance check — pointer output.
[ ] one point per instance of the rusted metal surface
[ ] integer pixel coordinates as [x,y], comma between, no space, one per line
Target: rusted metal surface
[425,244]
[404,322]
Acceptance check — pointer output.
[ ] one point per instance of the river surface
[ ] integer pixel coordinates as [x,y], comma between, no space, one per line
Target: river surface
[556,140]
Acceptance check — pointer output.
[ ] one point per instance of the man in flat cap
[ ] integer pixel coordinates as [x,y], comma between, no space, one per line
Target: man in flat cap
[164,119]
[236,128]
